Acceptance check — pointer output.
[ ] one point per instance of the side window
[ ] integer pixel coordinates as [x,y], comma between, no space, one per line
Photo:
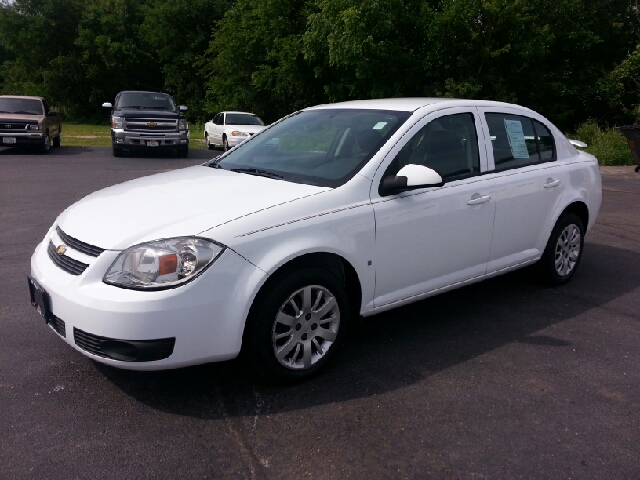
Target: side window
[448,144]
[518,141]
[545,142]
[46,107]
[217,118]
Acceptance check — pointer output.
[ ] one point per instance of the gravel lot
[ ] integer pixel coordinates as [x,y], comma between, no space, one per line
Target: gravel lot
[503,380]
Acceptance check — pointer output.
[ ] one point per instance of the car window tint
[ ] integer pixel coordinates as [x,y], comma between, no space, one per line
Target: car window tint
[217,119]
[25,106]
[449,145]
[545,142]
[243,119]
[518,141]
[323,147]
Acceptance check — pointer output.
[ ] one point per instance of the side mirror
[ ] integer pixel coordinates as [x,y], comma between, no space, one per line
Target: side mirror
[411,177]
[51,113]
[578,143]
[183,108]
[107,105]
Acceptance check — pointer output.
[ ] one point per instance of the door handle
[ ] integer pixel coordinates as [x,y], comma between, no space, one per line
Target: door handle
[478,200]
[551,183]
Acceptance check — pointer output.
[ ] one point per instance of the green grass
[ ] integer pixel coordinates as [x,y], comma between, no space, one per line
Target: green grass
[78,135]
[608,145]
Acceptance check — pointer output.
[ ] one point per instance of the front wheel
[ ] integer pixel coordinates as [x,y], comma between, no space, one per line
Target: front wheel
[183,151]
[207,140]
[46,145]
[563,252]
[117,152]
[296,324]
[225,144]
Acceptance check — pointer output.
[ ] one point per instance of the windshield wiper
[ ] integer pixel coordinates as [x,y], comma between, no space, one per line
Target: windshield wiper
[257,171]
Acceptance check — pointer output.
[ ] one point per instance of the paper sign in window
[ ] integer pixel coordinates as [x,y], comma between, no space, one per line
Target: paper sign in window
[516,138]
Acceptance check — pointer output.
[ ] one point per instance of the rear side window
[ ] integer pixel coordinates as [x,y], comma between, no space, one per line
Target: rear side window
[518,141]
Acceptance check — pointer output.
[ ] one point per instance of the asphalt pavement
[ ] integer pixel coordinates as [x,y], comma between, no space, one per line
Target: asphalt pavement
[505,379]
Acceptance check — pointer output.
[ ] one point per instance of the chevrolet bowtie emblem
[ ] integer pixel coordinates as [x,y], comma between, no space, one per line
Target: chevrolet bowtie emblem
[61,249]
[152,124]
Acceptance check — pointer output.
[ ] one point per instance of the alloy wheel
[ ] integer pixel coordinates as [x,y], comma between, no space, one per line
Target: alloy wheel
[567,251]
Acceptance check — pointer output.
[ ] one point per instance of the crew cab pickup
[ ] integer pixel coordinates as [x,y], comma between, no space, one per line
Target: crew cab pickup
[28,121]
[147,120]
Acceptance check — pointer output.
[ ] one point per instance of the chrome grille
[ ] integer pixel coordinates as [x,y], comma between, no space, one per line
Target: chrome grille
[78,245]
[66,263]
[15,127]
[151,125]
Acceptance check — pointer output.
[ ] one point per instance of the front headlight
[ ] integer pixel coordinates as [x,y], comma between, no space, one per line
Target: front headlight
[34,126]
[183,124]
[236,133]
[162,263]
[117,122]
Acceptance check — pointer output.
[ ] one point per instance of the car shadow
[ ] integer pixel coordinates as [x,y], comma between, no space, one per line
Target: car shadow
[55,151]
[401,347]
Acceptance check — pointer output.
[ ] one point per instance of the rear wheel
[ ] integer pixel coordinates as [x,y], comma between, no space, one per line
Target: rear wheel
[563,252]
[56,140]
[296,324]
[210,145]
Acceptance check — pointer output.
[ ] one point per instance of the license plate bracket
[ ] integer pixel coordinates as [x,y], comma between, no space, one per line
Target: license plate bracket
[9,140]
[152,143]
[40,299]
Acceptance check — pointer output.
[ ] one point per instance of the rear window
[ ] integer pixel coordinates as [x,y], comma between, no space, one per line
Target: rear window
[518,141]
[243,119]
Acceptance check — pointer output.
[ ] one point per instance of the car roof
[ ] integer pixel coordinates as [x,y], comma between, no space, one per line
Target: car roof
[234,111]
[142,91]
[28,97]
[411,104]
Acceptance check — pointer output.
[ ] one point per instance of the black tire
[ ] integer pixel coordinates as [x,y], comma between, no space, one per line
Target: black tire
[117,152]
[56,141]
[210,146]
[301,341]
[563,252]
[183,151]
[46,145]
[225,144]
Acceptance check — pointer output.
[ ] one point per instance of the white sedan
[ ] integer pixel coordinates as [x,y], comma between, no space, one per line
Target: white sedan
[228,129]
[335,211]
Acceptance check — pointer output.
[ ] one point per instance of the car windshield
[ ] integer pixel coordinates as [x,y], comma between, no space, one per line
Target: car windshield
[146,100]
[243,119]
[25,106]
[323,147]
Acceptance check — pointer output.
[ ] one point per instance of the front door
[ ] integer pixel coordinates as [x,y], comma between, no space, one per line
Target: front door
[431,238]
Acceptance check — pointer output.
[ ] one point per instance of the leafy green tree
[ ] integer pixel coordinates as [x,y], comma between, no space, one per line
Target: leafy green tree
[178,33]
[255,60]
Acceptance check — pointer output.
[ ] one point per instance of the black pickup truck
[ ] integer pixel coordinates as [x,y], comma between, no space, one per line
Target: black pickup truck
[148,120]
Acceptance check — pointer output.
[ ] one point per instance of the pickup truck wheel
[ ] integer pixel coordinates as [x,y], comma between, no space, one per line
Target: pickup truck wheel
[56,141]
[210,146]
[117,152]
[183,151]
[46,146]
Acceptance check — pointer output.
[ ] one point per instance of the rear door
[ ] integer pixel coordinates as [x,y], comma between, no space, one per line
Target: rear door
[528,185]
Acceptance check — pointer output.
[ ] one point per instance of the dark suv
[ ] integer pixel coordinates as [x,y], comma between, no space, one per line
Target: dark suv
[148,120]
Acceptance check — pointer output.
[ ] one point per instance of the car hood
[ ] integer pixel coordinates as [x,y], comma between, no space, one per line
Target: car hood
[9,117]
[177,203]
[145,113]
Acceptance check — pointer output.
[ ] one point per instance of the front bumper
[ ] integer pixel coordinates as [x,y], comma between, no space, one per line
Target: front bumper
[127,139]
[14,139]
[198,322]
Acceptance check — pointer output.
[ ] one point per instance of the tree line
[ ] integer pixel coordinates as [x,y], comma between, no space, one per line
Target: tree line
[568,59]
